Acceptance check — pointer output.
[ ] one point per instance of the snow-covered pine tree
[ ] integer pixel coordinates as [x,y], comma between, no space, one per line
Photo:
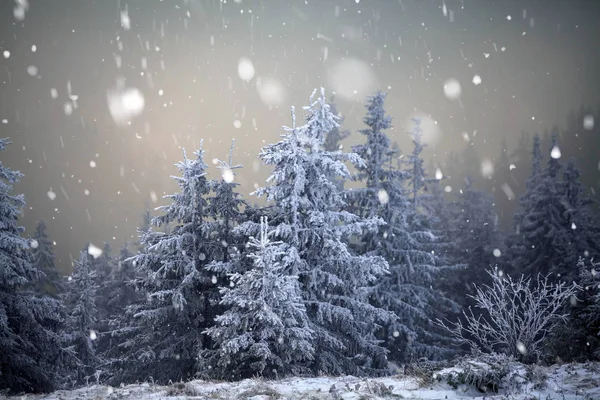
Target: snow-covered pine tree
[52,283]
[333,139]
[118,293]
[543,239]
[32,356]
[265,329]
[424,257]
[163,333]
[309,218]
[226,207]
[335,135]
[81,298]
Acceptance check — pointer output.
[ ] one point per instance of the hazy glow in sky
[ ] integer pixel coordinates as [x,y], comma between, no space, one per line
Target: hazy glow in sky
[100,96]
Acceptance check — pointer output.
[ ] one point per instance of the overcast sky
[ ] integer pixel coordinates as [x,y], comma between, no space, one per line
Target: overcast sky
[73,72]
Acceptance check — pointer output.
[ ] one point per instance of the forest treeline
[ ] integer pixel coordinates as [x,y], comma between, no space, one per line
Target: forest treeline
[323,279]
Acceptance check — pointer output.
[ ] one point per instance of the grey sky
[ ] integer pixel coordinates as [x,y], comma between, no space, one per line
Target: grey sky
[408,48]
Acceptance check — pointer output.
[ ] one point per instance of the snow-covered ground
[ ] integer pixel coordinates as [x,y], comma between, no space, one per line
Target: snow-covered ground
[565,382]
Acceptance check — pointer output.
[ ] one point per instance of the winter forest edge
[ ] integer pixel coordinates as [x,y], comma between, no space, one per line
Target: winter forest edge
[322,280]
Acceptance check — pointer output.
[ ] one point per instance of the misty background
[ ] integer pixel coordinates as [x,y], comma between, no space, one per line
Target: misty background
[89,175]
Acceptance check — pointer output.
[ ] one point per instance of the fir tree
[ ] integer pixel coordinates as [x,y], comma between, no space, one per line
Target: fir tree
[335,283]
[163,334]
[43,260]
[476,237]
[81,297]
[265,329]
[32,355]
[543,241]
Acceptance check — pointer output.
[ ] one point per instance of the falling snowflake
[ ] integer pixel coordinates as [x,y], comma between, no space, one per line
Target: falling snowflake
[521,348]
[497,253]
[51,195]
[32,70]
[237,124]
[93,335]
[245,69]
[228,175]
[487,168]
[448,189]
[94,251]
[125,104]
[477,80]
[6,53]
[438,174]
[383,197]
[573,226]
[93,164]
[34,244]
[588,122]
[555,153]
[452,89]
[125,21]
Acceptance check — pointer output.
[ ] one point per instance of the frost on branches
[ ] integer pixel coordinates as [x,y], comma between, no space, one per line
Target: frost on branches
[311,219]
[32,357]
[517,316]
[164,332]
[265,329]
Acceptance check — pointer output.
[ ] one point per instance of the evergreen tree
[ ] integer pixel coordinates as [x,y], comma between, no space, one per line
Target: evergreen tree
[81,297]
[163,333]
[476,237]
[335,135]
[426,262]
[32,357]
[543,241]
[335,284]
[265,329]
[43,260]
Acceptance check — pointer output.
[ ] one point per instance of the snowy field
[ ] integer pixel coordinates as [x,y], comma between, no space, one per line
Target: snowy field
[565,382]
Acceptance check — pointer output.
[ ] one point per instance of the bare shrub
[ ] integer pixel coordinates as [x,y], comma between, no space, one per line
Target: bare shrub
[516,316]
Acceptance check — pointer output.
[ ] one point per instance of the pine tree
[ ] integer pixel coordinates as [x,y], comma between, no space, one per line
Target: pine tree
[81,297]
[476,237]
[43,260]
[334,282]
[32,357]
[265,328]
[163,334]
[543,239]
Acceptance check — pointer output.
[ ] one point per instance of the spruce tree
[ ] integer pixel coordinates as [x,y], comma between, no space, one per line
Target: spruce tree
[162,335]
[265,329]
[476,238]
[81,297]
[51,283]
[32,356]
[543,241]
[335,284]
